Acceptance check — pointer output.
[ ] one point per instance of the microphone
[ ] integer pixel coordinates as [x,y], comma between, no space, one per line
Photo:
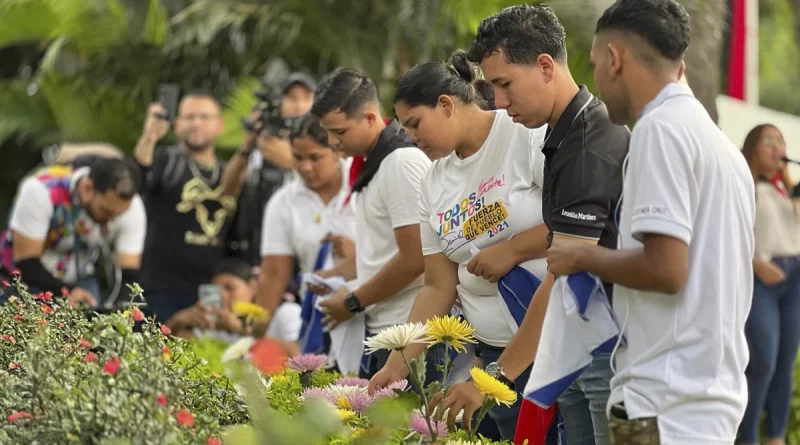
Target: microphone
[787,160]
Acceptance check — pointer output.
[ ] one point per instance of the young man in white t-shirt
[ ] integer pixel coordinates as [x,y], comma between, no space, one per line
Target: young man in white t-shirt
[389,262]
[683,272]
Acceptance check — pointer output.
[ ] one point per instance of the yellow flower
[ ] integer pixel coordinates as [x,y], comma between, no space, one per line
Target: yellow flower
[493,388]
[452,330]
[345,404]
[280,379]
[251,311]
[346,415]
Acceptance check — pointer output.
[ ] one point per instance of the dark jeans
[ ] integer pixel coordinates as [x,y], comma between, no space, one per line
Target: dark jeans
[89,283]
[773,336]
[504,417]
[163,305]
[583,405]
[435,357]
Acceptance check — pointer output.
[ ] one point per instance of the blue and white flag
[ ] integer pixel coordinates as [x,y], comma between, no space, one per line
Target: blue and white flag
[579,324]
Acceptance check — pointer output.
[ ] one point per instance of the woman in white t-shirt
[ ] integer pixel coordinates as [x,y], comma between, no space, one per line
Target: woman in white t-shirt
[482,192]
[303,213]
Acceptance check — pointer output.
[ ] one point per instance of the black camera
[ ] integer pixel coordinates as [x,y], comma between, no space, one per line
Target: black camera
[271,121]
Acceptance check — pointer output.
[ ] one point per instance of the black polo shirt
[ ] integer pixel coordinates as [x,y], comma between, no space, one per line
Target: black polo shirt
[584,154]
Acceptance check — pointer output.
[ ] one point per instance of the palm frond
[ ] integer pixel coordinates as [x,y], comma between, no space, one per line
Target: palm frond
[25,112]
[26,21]
[238,105]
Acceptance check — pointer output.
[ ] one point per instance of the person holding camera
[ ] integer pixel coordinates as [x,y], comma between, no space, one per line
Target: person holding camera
[265,159]
[189,213]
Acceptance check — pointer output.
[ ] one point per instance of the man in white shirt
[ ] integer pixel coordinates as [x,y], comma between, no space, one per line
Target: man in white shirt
[683,272]
[63,217]
[389,261]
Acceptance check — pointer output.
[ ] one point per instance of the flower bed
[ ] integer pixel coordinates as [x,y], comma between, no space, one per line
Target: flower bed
[69,379]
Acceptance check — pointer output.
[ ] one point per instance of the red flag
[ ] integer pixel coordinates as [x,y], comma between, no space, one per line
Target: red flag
[533,423]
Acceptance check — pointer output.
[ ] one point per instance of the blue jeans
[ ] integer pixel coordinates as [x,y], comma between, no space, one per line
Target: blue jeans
[583,405]
[773,336]
[503,416]
[434,358]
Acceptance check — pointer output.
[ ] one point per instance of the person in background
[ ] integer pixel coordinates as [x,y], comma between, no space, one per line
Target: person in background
[522,52]
[490,171]
[773,326]
[189,214]
[237,286]
[63,217]
[388,258]
[304,212]
[263,165]
[683,271]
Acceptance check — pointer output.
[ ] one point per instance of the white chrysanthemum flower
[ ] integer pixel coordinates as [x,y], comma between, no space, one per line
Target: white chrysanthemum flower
[398,337]
[238,350]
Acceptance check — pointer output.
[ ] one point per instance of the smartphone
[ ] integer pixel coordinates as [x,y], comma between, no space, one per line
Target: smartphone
[210,295]
[168,96]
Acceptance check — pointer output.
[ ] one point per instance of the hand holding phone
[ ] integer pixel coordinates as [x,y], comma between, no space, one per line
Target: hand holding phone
[210,295]
[168,97]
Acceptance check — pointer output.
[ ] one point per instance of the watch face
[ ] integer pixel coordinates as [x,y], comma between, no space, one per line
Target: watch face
[493,369]
[351,303]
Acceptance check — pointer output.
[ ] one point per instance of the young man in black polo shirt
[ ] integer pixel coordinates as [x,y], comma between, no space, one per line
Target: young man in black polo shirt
[522,52]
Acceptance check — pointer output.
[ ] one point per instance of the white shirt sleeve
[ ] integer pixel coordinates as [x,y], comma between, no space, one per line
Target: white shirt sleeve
[400,184]
[33,210]
[131,229]
[431,244]
[276,229]
[662,165]
[286,323]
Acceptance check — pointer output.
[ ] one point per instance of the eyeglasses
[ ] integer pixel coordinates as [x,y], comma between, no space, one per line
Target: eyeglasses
[199,116]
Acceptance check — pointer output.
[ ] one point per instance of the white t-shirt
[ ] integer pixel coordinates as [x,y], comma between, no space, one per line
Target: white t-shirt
[484,199]
[33,212]
[390,201]
[296,220]
[284,325]
[687,353]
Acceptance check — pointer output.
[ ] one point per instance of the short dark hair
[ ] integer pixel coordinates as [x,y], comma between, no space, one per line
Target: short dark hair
[308,126]
[202,94]
[117,175]
[523,32]
[663,24]
[458,77]
[346,89]
[233,266]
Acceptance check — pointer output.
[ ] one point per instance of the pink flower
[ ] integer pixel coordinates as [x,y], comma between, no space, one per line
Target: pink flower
[352,381]
[19,317]
[162,399]
[401,385]
[165,329]
[420,425]
[85,343]
[47,309]
[212,441]
[60,324]
[318,393]
[308,362]
[19,415]
[16,273]
[137,314]
[184,418]
[13,365]
[90,357]
[64,292]
[360,401]
[112,366]
[6,283]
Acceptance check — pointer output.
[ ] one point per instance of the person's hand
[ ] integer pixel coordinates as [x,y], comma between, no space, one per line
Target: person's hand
[343,247]
[462,396]
[196,316]
[321,289]
[769,273]
[252,130]
[492,263]
[155,127]
[563,256]
[391,372]
[79,295]
[274,149]
[228,321]
[334,310]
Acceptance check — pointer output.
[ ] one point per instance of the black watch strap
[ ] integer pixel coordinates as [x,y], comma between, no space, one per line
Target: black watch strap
[510,383]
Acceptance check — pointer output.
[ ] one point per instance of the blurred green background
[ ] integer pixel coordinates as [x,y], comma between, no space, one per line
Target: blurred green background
[85,70]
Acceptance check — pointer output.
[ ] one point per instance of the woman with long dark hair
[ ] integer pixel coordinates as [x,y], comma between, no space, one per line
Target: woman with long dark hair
[773,326]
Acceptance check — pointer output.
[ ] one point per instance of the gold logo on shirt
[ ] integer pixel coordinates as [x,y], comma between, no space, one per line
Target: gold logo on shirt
[194,196]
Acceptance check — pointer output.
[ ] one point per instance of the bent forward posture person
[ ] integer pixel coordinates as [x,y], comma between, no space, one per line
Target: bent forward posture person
[683,273]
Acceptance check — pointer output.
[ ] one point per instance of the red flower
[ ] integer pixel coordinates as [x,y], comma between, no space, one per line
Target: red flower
[91,358]
[184,418]
[112,366]
[268,356]
[5,337]
[60,324]
[6,283]
[165,329]
[47,309]
[162,399]
[165,352]
[137,314]
[19,317]
[48,296]
[19,415]
[85,344]
[13,365]
[212,441]
[16,273]
[64,292]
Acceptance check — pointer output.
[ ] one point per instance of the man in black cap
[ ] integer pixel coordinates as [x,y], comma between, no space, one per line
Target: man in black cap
[263,163]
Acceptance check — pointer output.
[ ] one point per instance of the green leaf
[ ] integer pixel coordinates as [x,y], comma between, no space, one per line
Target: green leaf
[156,24]
[236,107]
[26,21]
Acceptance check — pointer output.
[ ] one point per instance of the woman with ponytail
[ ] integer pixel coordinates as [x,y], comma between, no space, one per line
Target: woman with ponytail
[480,212]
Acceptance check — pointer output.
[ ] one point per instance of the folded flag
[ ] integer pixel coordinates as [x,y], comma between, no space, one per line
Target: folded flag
[517,288]
[312,337]
[579,324]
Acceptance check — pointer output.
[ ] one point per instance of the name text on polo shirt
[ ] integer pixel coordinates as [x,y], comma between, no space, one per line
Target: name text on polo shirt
[578,215]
